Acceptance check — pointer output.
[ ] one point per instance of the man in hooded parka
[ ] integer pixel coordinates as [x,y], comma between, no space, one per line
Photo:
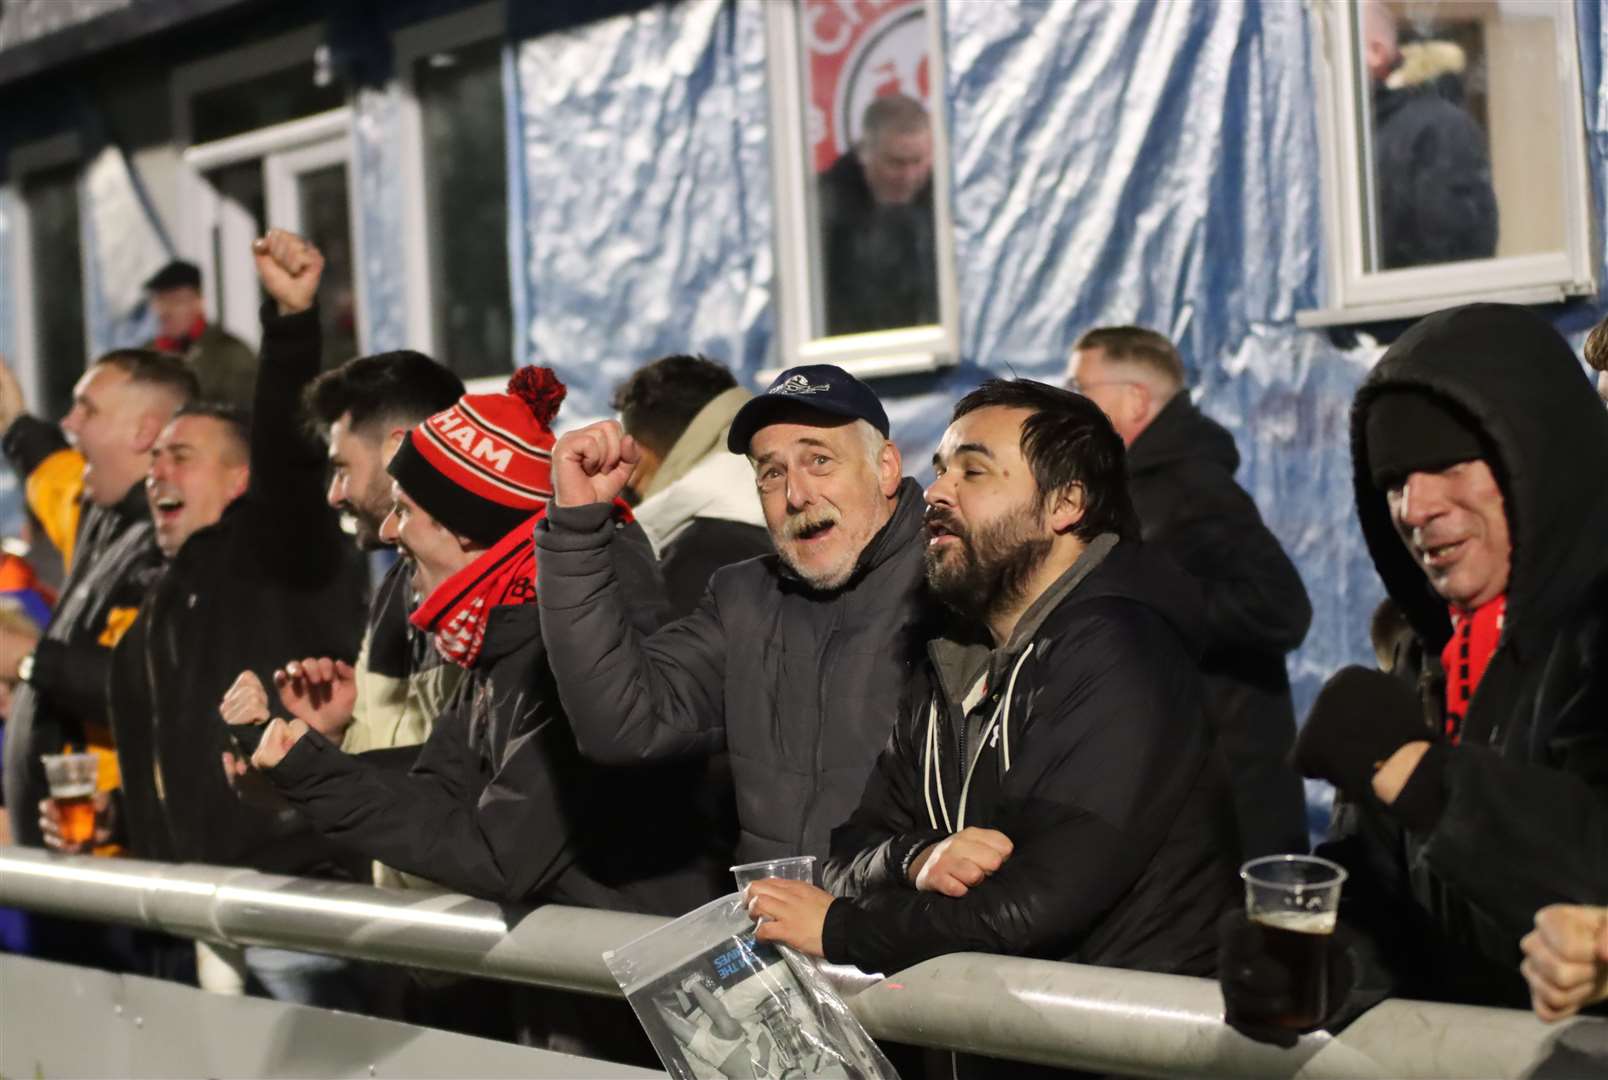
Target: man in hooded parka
[1473,781]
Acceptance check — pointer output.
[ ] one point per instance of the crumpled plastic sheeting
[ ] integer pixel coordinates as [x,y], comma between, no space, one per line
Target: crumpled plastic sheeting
[646,195]
[1158,164]
[378,175]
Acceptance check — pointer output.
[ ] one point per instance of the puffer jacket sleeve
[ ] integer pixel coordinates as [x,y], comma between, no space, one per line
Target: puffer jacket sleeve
[1082,792]
[630,695]
[498,836]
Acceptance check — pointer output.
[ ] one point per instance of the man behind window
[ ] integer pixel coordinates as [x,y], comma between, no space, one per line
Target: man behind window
[877,225]
[1053,791]
[225,366]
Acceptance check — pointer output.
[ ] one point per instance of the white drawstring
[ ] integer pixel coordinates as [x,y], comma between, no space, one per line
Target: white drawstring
[929,774]
[1003,709]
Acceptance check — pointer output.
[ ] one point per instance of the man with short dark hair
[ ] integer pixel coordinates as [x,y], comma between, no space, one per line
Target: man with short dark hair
[1053,792]
[876,223]
[225,366]
[399,683]
[1181,467]
[694,499]
[1471,787]
[795,663]
[90,502]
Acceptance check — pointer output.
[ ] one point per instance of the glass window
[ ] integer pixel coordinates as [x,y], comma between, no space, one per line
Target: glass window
[326,220]
[241,185]
[870,143]
[460,97]
[58,284]
[286,94]
[1464,149]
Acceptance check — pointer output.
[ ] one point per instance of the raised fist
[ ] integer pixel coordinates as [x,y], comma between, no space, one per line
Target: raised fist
[290,268]
[593,463]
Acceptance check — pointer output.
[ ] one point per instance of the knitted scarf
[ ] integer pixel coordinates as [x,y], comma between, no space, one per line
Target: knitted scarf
[1475,635]
[455,613]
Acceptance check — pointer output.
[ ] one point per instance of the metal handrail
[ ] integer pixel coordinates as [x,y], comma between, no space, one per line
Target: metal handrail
[1069,1015]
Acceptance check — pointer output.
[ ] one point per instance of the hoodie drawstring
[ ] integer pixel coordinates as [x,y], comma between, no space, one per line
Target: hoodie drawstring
[933,777]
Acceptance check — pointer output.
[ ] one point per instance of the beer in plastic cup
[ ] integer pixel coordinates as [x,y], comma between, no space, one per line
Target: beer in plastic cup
[1295,899]
[72,786]
[793,868]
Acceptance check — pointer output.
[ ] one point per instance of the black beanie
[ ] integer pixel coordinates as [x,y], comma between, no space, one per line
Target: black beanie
[1415,431]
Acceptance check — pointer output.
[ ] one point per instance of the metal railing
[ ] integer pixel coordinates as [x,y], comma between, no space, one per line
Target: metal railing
[1134,1023]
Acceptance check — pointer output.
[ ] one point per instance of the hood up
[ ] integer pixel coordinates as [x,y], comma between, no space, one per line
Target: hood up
[1515,377]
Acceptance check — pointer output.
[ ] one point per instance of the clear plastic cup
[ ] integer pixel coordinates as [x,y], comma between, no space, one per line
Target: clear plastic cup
[792,868]
[1295,899]
[72,780]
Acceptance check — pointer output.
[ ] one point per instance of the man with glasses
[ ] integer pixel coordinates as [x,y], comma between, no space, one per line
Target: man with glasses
[1182,467]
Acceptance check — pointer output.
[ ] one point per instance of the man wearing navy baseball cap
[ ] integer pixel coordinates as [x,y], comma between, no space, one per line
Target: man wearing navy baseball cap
[794,663]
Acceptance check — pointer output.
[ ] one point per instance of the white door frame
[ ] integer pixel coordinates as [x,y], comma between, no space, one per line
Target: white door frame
[327,138]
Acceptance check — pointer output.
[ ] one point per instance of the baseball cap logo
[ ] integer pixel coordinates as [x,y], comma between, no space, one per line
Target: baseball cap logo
[798,384]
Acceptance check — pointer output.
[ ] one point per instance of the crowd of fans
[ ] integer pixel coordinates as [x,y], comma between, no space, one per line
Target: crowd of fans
[1037,706]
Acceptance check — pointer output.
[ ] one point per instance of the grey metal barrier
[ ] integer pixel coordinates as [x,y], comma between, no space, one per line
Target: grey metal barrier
[1104,1019]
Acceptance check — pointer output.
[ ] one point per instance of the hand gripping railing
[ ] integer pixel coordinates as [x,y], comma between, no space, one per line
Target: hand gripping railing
[1130,1022]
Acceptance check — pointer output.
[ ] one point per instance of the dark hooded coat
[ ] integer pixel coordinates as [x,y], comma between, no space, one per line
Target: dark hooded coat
[1523,818]
[1256,610]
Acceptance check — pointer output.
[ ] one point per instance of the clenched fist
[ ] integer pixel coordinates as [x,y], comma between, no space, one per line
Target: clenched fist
[290,268]
[593,463]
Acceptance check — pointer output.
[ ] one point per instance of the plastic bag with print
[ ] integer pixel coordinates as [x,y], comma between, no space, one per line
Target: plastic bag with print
[716,1003]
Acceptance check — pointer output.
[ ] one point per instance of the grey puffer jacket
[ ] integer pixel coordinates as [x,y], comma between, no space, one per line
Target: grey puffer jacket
[801,687]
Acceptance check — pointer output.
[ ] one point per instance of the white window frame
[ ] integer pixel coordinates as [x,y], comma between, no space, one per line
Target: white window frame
[484,22]
[1356,294]
[902,351]
[22,161]
[200,208]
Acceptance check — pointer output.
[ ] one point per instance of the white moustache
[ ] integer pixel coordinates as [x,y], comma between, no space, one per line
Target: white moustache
[794,527]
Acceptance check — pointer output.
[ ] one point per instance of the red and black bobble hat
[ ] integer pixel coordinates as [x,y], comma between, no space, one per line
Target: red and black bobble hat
[484,466]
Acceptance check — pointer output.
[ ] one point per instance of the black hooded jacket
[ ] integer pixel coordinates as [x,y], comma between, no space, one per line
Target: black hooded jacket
[274,578]
[1523,812]
[1100,771]
[799,686]
[1256,609]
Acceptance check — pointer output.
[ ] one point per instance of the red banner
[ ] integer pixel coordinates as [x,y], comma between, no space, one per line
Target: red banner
[855,51]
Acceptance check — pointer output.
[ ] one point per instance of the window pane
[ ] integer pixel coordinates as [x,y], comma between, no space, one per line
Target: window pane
[1465,155]
[461,101]
[287,94]
[241,185]
[58,284]
[327,221]
[871,146]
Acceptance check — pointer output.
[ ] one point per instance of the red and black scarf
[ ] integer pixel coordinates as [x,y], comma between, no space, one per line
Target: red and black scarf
[1475,636]
[182,343]
[455,613]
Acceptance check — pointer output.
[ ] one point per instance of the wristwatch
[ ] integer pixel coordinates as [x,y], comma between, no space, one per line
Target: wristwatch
[25,668]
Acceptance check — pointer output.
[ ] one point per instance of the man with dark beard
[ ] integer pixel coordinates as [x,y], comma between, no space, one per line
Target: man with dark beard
[1053,792]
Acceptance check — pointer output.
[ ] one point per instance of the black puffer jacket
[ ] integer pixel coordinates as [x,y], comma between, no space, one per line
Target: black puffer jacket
[499,803]
[1256,610]
[801,687]
[273,579]
[1100,771]
[1523,820]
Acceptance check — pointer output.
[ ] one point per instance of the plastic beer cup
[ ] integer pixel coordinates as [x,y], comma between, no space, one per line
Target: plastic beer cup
[72,785]
[1295,900]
